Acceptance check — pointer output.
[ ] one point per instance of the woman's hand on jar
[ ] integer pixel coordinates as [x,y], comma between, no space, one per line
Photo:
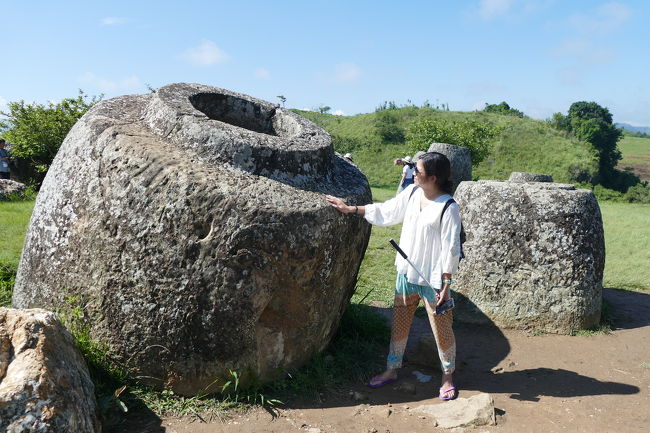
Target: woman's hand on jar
[338,204]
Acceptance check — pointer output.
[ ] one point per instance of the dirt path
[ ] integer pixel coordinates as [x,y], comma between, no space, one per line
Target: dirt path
[543,383]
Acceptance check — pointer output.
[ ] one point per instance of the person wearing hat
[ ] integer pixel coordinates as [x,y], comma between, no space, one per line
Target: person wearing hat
[407,173]
[5,171]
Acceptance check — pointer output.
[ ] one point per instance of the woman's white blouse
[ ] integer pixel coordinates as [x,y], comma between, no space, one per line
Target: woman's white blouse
[433,249]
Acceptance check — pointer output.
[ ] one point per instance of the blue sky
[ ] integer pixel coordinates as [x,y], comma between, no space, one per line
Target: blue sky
[538,55]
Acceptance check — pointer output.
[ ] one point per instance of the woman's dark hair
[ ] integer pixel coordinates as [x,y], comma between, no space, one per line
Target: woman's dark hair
[437,164]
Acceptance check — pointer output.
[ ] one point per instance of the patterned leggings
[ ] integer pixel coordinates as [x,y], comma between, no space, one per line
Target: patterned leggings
[407,298]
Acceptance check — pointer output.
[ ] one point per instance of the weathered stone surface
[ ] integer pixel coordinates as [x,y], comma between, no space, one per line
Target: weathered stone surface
[10,187]
[477,410]
[460,159]
[520,176]
[535,255]
[192,226]
[44,381]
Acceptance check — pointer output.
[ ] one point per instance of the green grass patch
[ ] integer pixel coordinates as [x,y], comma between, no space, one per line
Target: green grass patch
[15,219]
[376,281]
[633,147]
[627,236]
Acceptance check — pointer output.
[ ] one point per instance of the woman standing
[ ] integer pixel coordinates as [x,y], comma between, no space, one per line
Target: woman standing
[407,173]
[431,240]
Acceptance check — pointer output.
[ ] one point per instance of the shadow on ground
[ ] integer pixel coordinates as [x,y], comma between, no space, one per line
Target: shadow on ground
[629,310]
[142,420]
[531,384]
[481,348]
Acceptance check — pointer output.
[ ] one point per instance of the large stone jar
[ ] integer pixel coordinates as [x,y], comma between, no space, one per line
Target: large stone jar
[535,255]
[460,159]
[190,226]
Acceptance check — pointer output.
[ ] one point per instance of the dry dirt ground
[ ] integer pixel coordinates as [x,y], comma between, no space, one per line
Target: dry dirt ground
[540,383]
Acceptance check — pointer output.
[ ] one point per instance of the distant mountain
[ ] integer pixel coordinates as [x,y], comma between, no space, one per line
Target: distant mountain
[628,127]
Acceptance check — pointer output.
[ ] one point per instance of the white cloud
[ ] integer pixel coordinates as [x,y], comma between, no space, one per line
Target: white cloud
[585,52]
[347,73]
[207,53]
[3,104]
[489,9]
[113,21]
[604,18]
[492,9]
[338,113]
[130,84]
[262,74]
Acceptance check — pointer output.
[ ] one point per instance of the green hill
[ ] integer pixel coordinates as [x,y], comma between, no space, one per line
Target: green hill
[524,145]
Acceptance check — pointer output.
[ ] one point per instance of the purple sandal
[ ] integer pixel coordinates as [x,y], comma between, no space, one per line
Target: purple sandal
[379,382]
[442,395]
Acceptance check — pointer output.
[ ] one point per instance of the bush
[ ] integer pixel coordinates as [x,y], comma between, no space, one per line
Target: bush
[36,132]
[474,135]
[387,126]
[639,193]
[503,108]
[344,144]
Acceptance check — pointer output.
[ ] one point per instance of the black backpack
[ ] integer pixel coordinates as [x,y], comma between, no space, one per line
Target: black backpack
[462,229]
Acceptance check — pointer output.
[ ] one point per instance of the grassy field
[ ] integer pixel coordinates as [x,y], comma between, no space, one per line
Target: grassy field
[636,155]
[14,216]
[627,236]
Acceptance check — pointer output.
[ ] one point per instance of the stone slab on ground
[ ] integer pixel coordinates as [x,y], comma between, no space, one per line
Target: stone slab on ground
[477,410]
